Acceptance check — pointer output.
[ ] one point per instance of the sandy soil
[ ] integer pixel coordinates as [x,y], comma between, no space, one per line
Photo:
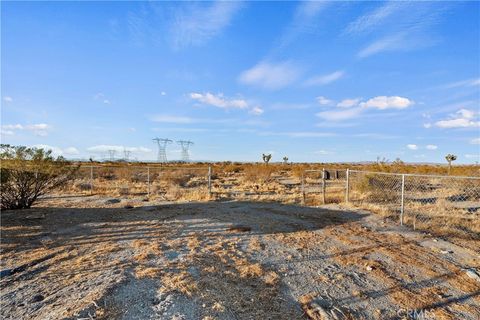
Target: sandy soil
[92,257]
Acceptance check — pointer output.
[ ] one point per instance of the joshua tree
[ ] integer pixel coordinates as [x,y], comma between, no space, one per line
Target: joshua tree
[450,158]
[285,159]
[266,158]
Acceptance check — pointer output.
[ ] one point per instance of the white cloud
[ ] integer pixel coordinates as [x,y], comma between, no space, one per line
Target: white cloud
[40,129]
[56,151]
[348,103]
[412,146]
[431,147]
[163,93]
[270,76]
[106,101]
[463,118]
[324,101]
[218,100]
[352,108]
[7,99]
[338,115]
[196,24]
[256,111]
[475,141]
[325,79]
[12,127]
[384,102]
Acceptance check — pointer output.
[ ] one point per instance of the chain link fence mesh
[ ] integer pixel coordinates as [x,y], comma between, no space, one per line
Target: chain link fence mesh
[443,205]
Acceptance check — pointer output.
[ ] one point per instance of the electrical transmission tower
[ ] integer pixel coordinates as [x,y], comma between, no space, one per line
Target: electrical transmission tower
[112,154]
[162,146]
[127,154]
[185,146]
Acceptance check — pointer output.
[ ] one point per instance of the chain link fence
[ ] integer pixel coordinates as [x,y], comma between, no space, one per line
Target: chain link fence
[438,204]
[445,204]
[167,183]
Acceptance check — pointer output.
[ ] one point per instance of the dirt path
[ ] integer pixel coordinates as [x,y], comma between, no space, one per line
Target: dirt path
[85,258]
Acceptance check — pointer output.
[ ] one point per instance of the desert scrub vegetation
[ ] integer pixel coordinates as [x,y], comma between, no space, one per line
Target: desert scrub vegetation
[258,173]
[28,173]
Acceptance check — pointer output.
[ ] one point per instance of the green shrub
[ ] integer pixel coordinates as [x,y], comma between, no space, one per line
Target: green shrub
[28,173]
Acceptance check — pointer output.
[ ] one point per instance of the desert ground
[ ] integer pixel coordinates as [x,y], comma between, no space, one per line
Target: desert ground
[102,257]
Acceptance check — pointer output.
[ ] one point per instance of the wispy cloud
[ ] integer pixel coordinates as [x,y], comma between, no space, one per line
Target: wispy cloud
[324,79]
[431,147]
[339,115]
[298,134]
[475,141]
[324,101]
[348,103]
[256,111]
[474,82]
[101,97]
[56,151]
[463,118]
[375,18]
[162,118]
[397,26]
[39,129]
[7,99]
[304,21]
[271,75]
[195,24]
[218,100]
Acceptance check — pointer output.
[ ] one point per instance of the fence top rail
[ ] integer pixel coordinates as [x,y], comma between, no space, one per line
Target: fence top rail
[326,169]
[416,175]
[144,167]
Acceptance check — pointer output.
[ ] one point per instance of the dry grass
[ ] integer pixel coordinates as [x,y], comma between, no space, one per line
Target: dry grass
[181,282]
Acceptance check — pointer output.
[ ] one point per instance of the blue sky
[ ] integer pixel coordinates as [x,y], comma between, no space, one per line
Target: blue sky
[315,81]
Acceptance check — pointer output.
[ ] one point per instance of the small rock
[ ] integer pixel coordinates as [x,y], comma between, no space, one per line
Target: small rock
[370,268]
[446,251]
[37,298]
[472,273]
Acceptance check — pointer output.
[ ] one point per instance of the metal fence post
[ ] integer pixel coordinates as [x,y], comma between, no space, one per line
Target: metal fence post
[148,182]
[323,186]
[347,186]
[91,179]
[402,200]
[303,189]
[209,180]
